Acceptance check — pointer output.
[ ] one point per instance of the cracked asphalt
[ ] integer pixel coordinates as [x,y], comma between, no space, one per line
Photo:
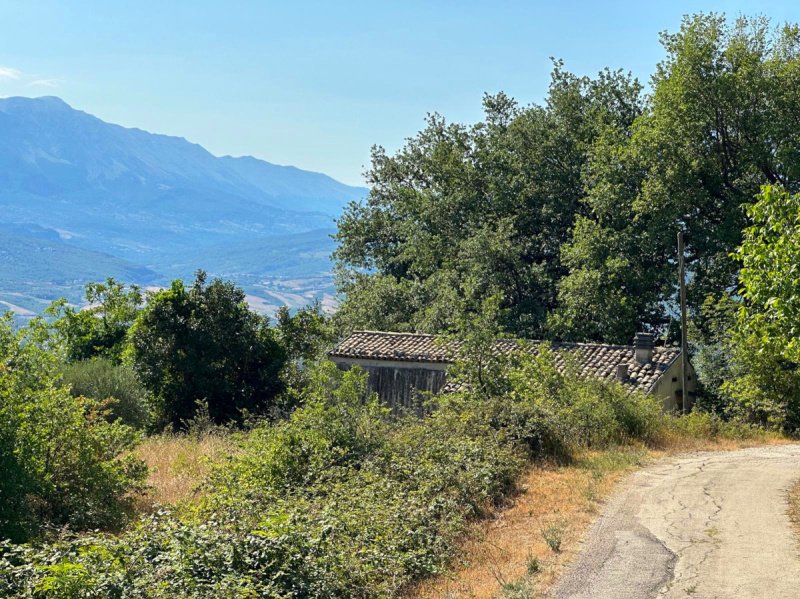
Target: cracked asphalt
[706,525]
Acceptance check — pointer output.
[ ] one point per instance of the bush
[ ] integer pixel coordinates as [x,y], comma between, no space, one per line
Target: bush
[765,340]
[62,462]
[203,343]
[554,411]
[340,500]
[100,379]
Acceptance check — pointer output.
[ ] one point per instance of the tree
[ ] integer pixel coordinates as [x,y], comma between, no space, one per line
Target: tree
[766,338]
[101,328]
[570,210]
[305,337]
[203,343]
[478,365]
[721,122]
[462,213]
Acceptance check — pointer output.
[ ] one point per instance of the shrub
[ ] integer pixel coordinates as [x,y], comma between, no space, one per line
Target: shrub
[553,411]
[342,499]
[705,425]
[62,462]
[100,379]
[338,501]
[203,343]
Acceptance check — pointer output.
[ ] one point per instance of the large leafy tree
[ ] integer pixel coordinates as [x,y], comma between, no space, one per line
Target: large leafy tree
[461,213]
[722,121]
[765,344]
[203,344]
[569,211]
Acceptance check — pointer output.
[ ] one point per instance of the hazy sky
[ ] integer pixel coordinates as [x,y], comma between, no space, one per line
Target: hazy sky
[315,84]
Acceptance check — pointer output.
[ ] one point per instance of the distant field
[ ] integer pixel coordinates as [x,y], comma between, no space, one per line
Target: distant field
[37,267]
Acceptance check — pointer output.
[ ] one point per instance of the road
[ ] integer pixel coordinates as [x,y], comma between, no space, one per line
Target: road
[707,525]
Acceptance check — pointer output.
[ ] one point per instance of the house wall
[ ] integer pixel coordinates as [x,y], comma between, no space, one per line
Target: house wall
[669,386]
[400,385]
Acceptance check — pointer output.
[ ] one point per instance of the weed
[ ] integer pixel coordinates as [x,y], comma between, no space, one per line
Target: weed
[520,589]
[533,565]
[553,535]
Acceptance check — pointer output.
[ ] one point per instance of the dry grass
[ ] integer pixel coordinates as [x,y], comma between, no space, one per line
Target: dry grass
[794,508]
[509,555]
[177,465]
[555,502]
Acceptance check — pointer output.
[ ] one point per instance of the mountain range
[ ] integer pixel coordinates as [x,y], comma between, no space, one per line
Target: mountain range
[82,199]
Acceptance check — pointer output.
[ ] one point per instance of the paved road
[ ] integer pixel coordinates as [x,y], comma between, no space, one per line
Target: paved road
[709,525]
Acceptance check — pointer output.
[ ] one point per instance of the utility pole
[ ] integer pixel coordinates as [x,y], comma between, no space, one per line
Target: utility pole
[684,342]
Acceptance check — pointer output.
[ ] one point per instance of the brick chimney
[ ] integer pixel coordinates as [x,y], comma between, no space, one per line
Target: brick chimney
[643,347]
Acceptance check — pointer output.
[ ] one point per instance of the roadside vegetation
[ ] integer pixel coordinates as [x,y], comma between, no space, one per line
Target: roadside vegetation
[794,508]
[176,444]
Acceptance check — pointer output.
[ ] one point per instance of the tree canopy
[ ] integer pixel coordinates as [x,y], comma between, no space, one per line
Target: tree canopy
[203,344]
[569,210]
[764,380]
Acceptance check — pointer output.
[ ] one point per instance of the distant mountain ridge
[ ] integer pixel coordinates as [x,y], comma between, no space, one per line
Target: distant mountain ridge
[154,203]
[48,148]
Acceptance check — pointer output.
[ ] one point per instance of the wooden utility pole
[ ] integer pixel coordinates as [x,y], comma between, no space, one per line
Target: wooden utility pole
[684,342]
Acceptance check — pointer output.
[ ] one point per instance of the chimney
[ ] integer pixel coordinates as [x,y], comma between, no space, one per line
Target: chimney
[622,372]
[643,347]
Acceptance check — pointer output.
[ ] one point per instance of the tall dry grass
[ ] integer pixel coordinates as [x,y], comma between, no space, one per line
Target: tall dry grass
[178,465]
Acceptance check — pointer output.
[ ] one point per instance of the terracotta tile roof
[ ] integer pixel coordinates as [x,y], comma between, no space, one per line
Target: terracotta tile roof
[591,359]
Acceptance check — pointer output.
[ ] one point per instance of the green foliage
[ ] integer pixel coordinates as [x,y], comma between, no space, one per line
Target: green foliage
[305,337]
[344,500]
[61,461]
[338,424]
[204,343]
[570,210]
[340,500]
[553,411]
[705,425]
[770,275]
[101,328]
[765,346]
[478,364]
[461,213]
[116,384]
[710,334]
[719,124]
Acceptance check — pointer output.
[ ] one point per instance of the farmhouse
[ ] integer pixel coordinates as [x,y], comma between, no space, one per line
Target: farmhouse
[402,366]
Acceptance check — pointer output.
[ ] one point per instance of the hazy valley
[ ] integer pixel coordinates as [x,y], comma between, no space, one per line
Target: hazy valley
[82,199]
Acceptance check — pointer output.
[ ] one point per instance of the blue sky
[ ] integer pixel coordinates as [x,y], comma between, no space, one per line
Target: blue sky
[315,84]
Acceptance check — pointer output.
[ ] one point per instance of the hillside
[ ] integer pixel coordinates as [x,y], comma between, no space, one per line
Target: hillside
[106,200]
